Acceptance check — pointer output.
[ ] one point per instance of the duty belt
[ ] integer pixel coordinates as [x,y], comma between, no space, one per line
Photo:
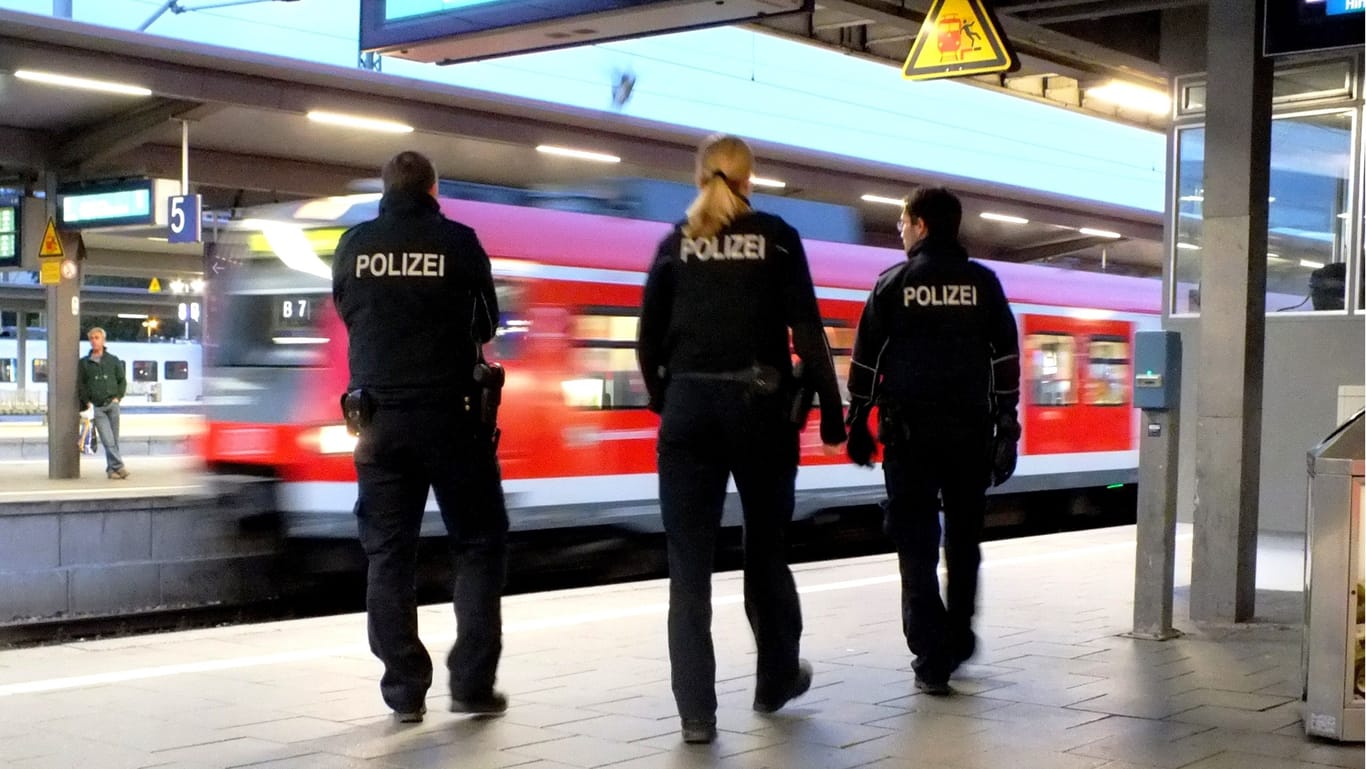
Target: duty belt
[764,379]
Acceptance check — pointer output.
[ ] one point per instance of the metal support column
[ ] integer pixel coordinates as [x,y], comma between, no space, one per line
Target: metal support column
[1155,564]
[63,349]
[1232,315]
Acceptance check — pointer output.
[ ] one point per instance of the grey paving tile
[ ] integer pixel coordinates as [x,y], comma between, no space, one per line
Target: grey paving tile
[620,728]
[1295,747]
[1164,755]
[819,731]
[457,755]
[533,714]
[290,730]
[1041,716]
[793,755]
[1226,699]
[317,761]
[1233,760]
[1136,706]
[1244,720]
[583,751]
[1015,758]
[230,752]
[728,743]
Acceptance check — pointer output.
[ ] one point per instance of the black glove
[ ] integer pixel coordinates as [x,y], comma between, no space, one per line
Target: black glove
[1005,451]
[861,445]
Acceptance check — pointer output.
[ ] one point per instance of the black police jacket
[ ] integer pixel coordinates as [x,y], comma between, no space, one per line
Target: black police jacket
[725,303]
[937,332]
[415,290]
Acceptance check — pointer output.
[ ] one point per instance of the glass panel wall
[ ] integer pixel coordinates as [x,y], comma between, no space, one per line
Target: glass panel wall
[1308,239]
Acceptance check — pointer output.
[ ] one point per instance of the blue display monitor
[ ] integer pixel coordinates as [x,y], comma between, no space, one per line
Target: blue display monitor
[1300,26]
[106,205]
[451,31]
[10,227]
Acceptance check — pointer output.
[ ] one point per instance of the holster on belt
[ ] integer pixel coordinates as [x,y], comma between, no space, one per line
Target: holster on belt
[358,408]
[892,427]
[800,397]
[490,378]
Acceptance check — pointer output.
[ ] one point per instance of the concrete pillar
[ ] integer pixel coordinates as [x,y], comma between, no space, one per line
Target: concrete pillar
[63,347]
[1232,315]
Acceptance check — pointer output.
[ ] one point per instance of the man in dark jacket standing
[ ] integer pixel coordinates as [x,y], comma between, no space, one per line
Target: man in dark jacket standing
[937,352]
[100,385]
[415,290]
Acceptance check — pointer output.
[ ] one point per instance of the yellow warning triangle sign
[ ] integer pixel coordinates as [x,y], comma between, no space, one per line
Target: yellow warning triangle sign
[958,38]
[154,286]
[52,245]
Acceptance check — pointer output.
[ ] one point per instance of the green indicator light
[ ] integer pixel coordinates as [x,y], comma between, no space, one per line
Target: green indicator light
[1115,486]
[1150,372]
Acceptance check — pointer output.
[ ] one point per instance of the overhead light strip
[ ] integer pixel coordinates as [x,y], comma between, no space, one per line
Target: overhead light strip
[1132,96]
[881,199]
[1100,233]
[759,181]
[1008,219]
[359,121]
[569,152]
[83,83]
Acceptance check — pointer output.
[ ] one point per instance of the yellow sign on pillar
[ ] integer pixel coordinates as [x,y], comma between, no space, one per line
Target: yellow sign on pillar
[52,245]
[154,286]
[50,272]
[958,38]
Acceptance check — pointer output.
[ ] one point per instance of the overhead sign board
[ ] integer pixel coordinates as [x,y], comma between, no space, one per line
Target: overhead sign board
[450,31]
[122,203]
[1301,26]
[957,39]
[10,227]
[183,219]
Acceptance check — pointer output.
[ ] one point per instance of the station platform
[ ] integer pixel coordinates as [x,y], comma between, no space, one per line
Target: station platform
[1054,684]
[141,433]
[25,480]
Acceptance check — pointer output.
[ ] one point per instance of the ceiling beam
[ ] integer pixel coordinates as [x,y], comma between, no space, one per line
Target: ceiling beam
[1046,250]
[121,133]
[23,151]
[1098,9]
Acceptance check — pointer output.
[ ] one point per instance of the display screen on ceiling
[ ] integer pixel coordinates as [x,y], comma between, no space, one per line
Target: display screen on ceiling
[1296,26]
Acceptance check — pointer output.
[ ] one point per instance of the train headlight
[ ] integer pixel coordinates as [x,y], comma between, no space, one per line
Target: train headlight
[334,439]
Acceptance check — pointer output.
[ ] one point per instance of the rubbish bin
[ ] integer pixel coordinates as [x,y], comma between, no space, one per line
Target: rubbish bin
[1333,627]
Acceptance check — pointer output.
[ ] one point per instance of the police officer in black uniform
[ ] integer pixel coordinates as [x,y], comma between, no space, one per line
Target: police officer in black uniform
[415,290]
[725,288]
[937,352]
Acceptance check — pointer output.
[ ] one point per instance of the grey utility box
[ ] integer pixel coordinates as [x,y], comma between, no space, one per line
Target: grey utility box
[1333,627]
[1157,370]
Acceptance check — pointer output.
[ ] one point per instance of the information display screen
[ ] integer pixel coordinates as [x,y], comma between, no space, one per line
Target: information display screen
[294,312]
[9,230]
[1298,26]
[449,31]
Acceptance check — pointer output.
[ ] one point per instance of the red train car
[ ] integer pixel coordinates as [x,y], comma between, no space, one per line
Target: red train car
[578,443]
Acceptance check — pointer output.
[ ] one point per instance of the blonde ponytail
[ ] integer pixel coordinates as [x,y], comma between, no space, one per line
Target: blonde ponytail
[724,164]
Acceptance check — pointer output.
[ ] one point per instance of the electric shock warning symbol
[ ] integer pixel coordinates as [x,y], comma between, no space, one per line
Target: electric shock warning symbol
[52,245]
[958,38]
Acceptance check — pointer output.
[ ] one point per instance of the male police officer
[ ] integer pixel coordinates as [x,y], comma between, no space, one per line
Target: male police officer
[416,293]
[937,352]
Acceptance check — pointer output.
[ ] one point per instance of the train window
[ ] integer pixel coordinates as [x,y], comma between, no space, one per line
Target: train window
[176,369]
[512,322]
[144,371]
[1107,372]
[605,371]
[39,370]
[9,369]
[1051,369]
[841,338]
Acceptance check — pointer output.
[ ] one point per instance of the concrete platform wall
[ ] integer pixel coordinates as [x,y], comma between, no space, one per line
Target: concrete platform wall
[1308,360]
[92,558]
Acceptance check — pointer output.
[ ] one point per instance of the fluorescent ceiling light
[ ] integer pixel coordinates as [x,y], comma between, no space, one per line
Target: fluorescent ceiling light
[1132,96]
[300,340]
[67,81]
[1270,255]
[1192,198]
[1003,218]
[566,152]
[1342,215]
[1311,264]
[759,181]
[133,316]
[1188,246]
[157,239]
[357,121]
[1100,233]
[881,199]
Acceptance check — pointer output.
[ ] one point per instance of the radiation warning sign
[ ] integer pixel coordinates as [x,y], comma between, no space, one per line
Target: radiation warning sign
[958,38]
[52,245]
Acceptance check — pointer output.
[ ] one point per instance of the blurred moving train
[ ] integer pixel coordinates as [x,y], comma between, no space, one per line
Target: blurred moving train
[578,445]
[168,373]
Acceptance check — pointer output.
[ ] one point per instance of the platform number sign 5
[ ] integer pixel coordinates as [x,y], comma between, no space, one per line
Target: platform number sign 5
[183,216]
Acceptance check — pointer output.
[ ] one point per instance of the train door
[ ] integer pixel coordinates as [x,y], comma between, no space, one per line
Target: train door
[1076,385]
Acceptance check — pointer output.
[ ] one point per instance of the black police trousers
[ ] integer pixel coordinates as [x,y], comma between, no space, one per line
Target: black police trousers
[406,450]
[711,430]
[931,455]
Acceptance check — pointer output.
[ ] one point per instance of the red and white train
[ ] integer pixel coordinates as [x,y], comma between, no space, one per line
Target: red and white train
[578,445]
